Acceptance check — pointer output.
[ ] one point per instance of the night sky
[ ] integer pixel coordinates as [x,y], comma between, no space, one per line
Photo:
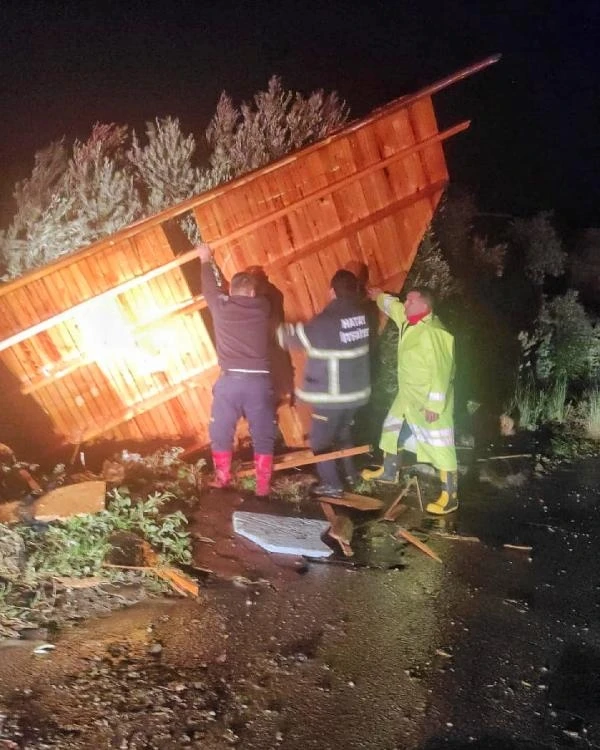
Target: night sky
[534,142]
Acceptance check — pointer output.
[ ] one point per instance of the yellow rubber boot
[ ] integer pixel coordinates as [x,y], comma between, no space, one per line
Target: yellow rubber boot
[447,502]
[387,473]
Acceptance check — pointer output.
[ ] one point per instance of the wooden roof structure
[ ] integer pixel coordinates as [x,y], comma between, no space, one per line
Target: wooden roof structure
[112,341]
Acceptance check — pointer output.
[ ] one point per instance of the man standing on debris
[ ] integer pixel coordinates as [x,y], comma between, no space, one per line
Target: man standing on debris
[422,415]
[242,321]
[336,376]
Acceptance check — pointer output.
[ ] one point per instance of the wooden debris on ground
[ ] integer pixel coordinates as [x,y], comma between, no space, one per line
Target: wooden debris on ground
[304,458]
[412,539]
[30,481]
[178,581]
[397,506]
[341,527]
[506,457]
[456,537]
[352,500]
[518,547]
[70,500]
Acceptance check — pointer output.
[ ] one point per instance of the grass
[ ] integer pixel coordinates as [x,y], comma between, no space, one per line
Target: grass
[591,413]
[537,405]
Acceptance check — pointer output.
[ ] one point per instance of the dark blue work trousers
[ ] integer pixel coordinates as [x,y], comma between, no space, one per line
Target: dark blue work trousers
[331,430]
[249,395]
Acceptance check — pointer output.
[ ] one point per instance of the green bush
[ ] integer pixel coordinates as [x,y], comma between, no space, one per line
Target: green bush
[78,546]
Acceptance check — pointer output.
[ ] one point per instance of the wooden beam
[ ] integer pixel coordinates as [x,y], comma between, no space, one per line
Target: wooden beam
[218,242]
[352,500]
[356,226]
[340,184]
[306,458]
[143,406]
[197,303]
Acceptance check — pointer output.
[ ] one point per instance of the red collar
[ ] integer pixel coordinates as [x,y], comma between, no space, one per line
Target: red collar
[413,319]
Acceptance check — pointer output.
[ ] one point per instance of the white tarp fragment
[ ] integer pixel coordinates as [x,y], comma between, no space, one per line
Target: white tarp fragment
[283,534]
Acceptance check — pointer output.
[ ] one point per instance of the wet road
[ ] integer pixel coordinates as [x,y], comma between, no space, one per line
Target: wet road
[496,648]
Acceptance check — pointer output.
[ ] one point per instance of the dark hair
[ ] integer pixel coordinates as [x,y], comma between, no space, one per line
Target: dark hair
[427,294]
[345,284]
[243,283]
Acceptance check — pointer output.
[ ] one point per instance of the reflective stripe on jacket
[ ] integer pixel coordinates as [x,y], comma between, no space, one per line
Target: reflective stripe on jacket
[336,342]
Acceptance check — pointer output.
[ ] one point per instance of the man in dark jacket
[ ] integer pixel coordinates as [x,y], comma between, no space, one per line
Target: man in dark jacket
[243,332]
[336,377]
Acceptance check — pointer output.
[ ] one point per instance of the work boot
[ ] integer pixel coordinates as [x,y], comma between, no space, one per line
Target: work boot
[387,473]
[447,502]
[222,464]
[263,467]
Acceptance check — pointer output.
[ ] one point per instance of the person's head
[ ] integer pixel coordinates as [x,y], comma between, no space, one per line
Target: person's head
[243,284]
[419,301]
[258,273]
[360,270]
[344,285]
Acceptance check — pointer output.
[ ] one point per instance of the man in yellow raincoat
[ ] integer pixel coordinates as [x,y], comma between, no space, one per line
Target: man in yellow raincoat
[421,418]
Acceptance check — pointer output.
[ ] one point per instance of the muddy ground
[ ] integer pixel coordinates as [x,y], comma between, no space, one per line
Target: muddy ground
[495,648]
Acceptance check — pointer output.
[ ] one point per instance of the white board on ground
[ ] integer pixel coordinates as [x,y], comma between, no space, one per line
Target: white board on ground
[283,534]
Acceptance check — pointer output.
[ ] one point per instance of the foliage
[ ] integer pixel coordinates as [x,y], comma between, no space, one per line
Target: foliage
[589,413]
[78,545]
[537,404]
[468,253]
[563,344]
[289,489]
[431,269]
[76,197]
[541,246]
[275,123]
[70,202]
[164,171]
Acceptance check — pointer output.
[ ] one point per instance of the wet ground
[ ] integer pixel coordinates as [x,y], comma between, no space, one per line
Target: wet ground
[495,648]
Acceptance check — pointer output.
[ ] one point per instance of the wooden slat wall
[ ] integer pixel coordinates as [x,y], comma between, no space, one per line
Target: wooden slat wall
[139,363]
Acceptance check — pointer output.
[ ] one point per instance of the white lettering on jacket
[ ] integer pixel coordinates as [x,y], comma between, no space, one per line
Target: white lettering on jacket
[358,335]
[357,320]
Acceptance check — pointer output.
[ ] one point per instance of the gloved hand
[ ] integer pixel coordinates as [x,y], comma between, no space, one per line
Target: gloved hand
[431,416]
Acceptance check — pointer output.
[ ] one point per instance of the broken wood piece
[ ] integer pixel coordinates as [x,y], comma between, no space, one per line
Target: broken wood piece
[509,455]
[351,500]
[392,513]
[341,528]
[178,581]
[455,537]
[406,535]
[31,483]
[304,458]
[396,507]
[71,500]
[181,583]
[519,547]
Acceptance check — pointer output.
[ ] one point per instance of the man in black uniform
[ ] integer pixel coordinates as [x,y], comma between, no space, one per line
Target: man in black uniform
[244,389]
[336,376]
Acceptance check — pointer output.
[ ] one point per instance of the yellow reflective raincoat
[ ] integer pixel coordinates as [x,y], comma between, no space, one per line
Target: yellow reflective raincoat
[425,381]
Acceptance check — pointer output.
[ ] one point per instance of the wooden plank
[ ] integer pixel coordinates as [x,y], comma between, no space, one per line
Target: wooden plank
[352,500]
[372,219]
[412,539]
[341,528]
[140,408]
[308,457]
